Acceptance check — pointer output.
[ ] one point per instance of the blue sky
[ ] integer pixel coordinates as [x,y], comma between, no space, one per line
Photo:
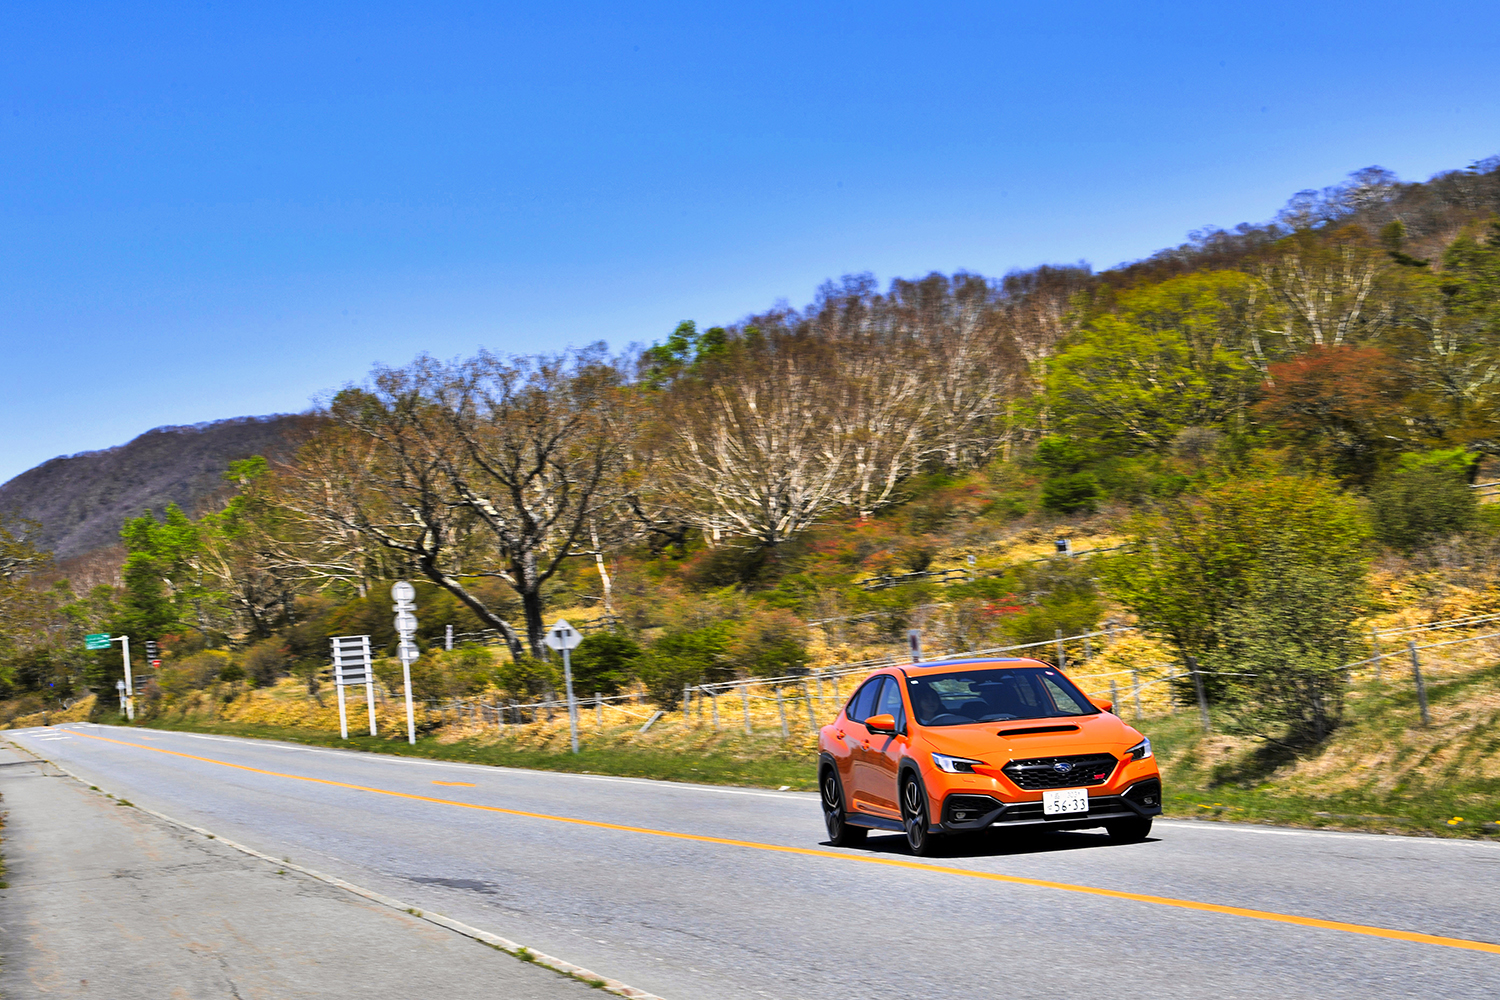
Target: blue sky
[211,210]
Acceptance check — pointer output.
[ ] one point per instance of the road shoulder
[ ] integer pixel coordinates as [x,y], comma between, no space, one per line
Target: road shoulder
[107,901]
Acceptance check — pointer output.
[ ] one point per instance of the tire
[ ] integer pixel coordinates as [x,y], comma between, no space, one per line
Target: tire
[840,833]
[1128,831]
[919,840]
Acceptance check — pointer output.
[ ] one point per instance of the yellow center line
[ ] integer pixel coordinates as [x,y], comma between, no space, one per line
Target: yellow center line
[812,852]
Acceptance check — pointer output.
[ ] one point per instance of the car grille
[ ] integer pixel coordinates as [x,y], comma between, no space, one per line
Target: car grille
[1042,772]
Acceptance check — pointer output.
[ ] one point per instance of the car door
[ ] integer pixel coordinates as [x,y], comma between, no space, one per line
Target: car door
[882,754]
[856,737]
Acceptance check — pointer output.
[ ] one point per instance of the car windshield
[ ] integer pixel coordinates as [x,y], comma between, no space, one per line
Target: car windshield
[997,694]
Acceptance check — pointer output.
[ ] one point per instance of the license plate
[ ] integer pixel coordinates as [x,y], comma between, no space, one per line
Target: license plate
[1062,801]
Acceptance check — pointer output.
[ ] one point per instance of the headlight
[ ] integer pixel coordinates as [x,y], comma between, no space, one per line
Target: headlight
[1140,751]
[954,765]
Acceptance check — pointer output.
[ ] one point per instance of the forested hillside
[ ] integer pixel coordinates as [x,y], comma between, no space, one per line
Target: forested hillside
[1268,435]
[81,500]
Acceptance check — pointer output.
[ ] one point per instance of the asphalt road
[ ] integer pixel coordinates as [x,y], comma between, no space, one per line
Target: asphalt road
[695,891]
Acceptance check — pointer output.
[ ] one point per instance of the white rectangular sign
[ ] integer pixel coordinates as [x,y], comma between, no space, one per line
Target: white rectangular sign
[351,666]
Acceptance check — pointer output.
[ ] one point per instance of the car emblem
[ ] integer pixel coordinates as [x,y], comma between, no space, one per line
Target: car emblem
[1062,767]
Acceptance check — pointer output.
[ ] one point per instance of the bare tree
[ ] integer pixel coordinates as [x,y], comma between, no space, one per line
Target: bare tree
[1328,287]
[487,468]
[754,452]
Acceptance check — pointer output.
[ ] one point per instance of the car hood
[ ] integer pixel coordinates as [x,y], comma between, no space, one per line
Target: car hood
[983,741]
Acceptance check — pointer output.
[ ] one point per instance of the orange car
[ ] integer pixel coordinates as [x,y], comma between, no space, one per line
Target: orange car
[968,744]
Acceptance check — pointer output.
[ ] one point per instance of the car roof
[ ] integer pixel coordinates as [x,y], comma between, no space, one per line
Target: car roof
[947,666]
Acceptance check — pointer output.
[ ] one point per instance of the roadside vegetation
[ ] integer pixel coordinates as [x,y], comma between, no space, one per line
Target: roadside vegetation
[1258,449]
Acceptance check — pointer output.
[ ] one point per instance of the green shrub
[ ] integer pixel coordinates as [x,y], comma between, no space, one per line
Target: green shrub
[604,662]
[1071,493]
[1425,498]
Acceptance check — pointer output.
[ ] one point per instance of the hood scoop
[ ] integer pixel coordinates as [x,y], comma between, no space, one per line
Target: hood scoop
[1032,730]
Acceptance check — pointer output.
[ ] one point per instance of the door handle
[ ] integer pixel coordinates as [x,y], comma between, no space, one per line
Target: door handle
[839,733]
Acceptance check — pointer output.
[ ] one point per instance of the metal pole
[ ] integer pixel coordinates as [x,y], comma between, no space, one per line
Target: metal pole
[369,685]
[1202,695]
[343,717]
[411,720]
[1416,673]
[713,696]
[781,708]
[1135,690]
[1375,648]
[745,697]
[1061,663]
[812,723]
[598,710]
[129,682]
[572,702]
[448,638]
[1114,697]
[687,706]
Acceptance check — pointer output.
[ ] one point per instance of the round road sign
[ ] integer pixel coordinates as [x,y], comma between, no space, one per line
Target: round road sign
[403,591]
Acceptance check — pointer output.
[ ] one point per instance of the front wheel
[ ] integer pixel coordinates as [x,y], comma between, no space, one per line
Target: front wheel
[919,838]
[840,833]
[1128,831]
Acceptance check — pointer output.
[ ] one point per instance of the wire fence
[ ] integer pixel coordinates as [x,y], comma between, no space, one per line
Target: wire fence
[801,702]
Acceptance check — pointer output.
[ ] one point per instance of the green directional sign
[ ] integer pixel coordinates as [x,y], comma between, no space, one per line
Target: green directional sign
[97,641]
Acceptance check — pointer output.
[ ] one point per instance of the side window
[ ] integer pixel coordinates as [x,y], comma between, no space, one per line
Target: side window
[889,702]
[1064,701]
[862,705]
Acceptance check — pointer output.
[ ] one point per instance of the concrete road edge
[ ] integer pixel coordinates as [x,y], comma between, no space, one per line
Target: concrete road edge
[519,951]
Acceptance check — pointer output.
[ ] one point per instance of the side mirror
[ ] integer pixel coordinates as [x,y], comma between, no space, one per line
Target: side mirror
[1104,704]
[881,723]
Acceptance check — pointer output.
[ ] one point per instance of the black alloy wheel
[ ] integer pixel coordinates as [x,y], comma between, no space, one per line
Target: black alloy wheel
[840,833]
[1128,831]
[919,839]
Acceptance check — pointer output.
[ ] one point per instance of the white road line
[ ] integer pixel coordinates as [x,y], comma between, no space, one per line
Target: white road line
[1282,831]
[802,797]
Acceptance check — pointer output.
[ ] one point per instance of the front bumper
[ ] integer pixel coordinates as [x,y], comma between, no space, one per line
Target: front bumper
[963,811]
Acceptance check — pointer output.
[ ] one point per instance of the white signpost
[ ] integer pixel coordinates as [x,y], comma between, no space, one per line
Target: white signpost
[124,641]
[566,638]
[914,640]
[405,596]
[351,666]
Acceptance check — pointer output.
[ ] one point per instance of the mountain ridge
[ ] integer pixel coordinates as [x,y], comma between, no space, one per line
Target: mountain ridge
[82,499]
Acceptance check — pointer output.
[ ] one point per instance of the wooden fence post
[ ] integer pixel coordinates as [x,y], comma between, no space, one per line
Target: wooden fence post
[1114,697]
[1135,690]
[1060,661]
[812,724]
[781,709]
[1416,673]
[1202,695]
[1375,648]
[687,705]
[598,710]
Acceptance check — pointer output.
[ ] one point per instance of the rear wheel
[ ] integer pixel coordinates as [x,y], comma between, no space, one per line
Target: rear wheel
[840,833]
[1128,831]
[919,839]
